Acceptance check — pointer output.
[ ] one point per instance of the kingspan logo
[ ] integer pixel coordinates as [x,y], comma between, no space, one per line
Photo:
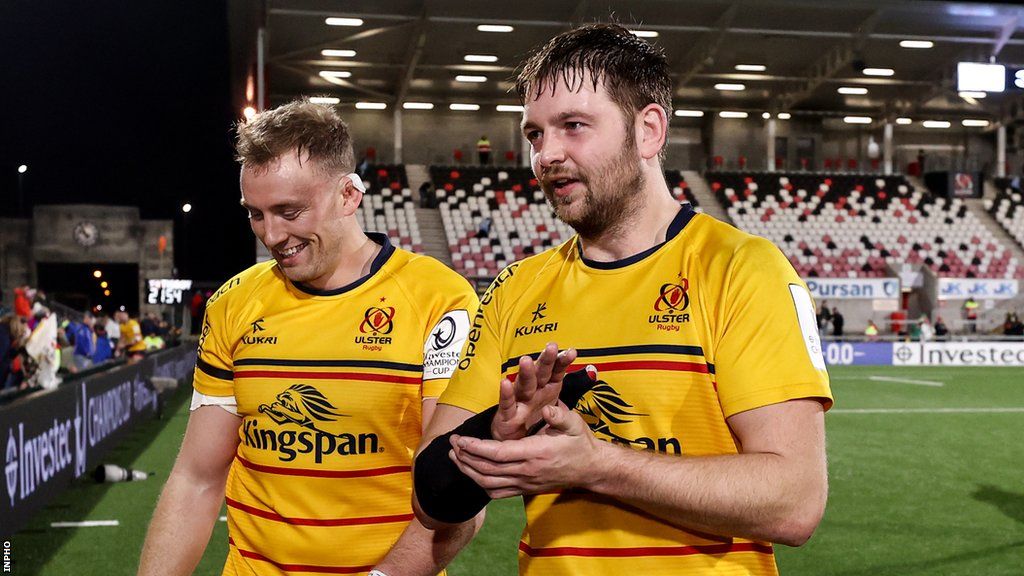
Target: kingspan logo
[604,409]
[305,407]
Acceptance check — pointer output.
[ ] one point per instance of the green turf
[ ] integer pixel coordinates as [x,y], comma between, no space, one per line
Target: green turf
[911,494]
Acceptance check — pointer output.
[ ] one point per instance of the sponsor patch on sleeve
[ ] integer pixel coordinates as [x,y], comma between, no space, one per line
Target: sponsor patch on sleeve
[443,345]
[808,324]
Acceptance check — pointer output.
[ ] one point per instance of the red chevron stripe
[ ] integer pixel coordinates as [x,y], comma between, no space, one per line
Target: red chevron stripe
[270,515]
[363,376]
[715,549]
[313,473]
[301,567]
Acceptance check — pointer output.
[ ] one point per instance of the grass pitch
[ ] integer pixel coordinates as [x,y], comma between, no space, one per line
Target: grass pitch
[926,469]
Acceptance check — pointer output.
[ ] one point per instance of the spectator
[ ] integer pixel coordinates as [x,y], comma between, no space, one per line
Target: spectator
[970,309]
[941,331]
[13,334]
[484,230]
[81,336]
[483,150]
[824,317]
[23,301]
[837,324]
[113,330]
[871,332]
[104,350]
[427,195]
[130,344]
[926,330]
[896,320]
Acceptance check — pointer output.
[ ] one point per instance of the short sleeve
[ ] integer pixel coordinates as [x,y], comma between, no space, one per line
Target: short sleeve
[213,373]
[474,385]
[767,347]
[449,330]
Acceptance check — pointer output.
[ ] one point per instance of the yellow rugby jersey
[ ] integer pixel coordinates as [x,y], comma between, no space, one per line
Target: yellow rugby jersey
[711,323]
[329,386]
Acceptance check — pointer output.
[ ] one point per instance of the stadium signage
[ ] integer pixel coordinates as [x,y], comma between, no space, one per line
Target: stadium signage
[854,288]
[167,291]
[959,354]
[51,438]
[980,288]
[858,353]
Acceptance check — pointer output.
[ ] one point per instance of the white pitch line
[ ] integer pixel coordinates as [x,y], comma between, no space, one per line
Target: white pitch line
[905,381]
[1016,410]
[85,524]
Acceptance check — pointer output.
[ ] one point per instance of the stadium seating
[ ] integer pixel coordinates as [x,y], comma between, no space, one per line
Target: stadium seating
[1008,208]
[388,206]
[848,225]
[521,221]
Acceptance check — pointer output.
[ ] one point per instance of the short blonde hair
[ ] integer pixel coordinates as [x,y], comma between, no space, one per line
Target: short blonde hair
[312,130]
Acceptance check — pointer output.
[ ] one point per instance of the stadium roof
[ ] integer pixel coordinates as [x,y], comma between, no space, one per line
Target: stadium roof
[414,50]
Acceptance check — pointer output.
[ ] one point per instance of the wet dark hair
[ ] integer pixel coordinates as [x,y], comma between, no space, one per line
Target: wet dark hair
[634,72]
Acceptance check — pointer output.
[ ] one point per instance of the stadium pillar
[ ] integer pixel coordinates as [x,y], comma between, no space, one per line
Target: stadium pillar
[769,131]
[525,159]
[261,62]
[398,134]
[1001,150]
[887,149]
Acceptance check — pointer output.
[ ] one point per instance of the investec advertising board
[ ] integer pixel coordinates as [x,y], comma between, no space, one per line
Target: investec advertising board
[958,354]
[52,438]
[853,288]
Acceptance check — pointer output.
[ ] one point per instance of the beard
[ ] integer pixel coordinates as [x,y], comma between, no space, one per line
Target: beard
[609,198]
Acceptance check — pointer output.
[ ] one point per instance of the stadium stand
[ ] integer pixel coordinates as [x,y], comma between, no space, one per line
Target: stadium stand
[388,206]
[1008,208]
[521,223]
[852,226]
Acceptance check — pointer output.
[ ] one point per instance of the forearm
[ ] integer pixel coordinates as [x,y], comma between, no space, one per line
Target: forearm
[181,527]
[762,496]
[421,551]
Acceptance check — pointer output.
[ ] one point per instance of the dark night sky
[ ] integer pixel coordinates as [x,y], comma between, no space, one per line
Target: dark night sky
[125,103]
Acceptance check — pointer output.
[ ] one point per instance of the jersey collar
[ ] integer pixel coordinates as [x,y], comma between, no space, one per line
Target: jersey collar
[386,250]
[680,221]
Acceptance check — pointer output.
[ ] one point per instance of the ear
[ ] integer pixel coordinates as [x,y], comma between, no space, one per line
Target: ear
[351,197]
[652,131]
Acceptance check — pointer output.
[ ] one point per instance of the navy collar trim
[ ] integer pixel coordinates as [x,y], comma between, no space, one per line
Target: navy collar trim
[386,250]
[680,221]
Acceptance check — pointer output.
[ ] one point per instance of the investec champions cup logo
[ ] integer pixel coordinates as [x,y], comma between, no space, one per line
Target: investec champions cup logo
[305,407]
[670,306]
[604,410]
[11,466]
[377,323]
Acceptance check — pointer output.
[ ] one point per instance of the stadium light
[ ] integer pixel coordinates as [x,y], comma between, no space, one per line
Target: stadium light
[852,90]
[104,284]
[328,74]
[644,33]
[904,121]
[975,122]
[689,113]
[509,108]
[494,28]
[249,112]
[766,115]
[732,114]
[857,120]
[727,87]
[751,67]
[338,53]
[97,273]
[121,308]
[878,71]
[371,105]
[480,58]
[921,44]
[106,292]
[784,116]
[971,94]
[186,207]
[936,124]
[980,77]
[470,78]
[464,107]
[344,22]
[417,106]
[22,169]
[324,100]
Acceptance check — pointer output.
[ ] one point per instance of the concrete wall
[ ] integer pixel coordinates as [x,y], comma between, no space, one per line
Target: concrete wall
[49,238]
